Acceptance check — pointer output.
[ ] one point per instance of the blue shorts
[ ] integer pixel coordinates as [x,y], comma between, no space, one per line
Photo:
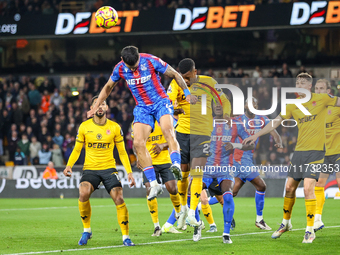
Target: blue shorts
[147,114]
[208,181]
[245,172]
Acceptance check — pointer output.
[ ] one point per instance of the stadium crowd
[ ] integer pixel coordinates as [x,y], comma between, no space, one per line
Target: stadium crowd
[39,123]
[24,7]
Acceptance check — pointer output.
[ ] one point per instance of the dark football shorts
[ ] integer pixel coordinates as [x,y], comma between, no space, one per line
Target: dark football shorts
[214,189]
[331,164]
[163,174]
[109,177]
[306,164]
[193,146]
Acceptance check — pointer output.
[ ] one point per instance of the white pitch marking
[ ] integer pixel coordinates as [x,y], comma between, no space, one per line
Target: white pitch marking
[168,241]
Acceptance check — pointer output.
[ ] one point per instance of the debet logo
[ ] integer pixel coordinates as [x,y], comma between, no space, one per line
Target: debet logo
[316,13]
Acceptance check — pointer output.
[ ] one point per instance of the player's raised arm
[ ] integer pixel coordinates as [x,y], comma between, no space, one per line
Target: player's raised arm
[172,73]
[267,129]
[104,93]
[337,102]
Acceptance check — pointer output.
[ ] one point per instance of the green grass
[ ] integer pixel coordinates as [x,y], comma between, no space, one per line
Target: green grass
[25,229]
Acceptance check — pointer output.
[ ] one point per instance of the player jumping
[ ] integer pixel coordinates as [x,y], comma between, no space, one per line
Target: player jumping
[243,161]
[309,152]
[140,71]
[332,156]
[100,135]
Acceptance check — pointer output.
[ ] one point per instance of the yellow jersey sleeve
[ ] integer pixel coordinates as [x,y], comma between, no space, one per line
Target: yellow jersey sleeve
[118,135]
[289,111]
[81,134]
[225,104]
[173,91]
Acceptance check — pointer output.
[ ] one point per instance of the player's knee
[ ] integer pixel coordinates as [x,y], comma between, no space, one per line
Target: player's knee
[262,187]
[84,195]
[204,200]
[290,189]
[172,188]
[118,200]
[308,190]
[138,144]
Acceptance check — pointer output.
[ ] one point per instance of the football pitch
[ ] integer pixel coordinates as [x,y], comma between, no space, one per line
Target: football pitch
[49,226]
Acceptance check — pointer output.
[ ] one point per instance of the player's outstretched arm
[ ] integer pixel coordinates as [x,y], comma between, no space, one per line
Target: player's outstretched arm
[267,129]
[73,159]
[240,146]
[277,138]
[124,158]
[338,102]
[172,73]
[104,93]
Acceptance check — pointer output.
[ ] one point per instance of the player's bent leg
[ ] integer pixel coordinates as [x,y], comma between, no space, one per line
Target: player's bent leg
[228,208]
[182,186]
[310,202]
[289,201]
[166,123]
[260,186]
[320,200]
[171,187]
[85,191]
[238,185]
[116,194]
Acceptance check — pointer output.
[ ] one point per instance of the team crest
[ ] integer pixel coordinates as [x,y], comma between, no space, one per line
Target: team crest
[194,88]
[219,130]
[99,136]
[126,69]
[108,132]
[314,103]
[143,67]
[329,112]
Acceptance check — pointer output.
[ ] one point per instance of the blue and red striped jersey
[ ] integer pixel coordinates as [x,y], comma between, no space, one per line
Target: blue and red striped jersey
[144,83]
[252,126]
[223,133]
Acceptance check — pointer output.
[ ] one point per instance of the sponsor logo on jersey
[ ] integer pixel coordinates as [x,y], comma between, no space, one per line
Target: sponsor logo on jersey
[99,145]
[138,81]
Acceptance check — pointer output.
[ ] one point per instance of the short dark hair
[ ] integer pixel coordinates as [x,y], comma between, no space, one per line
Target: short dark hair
[94,98]
[186,65]
[130,55]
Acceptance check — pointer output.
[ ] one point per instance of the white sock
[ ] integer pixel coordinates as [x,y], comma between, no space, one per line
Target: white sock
[211,225]
[285,222]
[310,229]
[259,218]
[87,230]
[317,217]
[225,234]
[184,208]
[191,212]
[156,225]
[153,183]
[167,225]
[125,236]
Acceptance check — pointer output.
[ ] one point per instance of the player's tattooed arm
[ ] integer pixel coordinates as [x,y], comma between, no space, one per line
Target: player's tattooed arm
[172,73]
[104,93]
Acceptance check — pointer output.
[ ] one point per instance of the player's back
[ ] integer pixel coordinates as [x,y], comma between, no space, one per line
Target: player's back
[99,143]
[144,83]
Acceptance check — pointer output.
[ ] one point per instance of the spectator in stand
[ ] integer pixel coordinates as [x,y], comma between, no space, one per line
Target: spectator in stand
[35,147]
[240,73]
[34,96]
[56,99]
[12,145]
[230,73]
[49,141]
[19,158]
[58,139]
[24,145]
[45,101]
[50,172]
[256,73]
[285,73]
[57,156]
[273,160]
[17,114]
[29,133]
[44,155]
[23,103]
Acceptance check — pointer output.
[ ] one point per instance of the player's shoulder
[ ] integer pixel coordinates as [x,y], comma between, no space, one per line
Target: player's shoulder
[321,96]
[207,79]
[121,63]
[86,123]
[113,123]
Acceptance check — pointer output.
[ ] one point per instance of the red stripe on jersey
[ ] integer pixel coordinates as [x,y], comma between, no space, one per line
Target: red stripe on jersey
[141,89]
[158,86]
[233,138]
